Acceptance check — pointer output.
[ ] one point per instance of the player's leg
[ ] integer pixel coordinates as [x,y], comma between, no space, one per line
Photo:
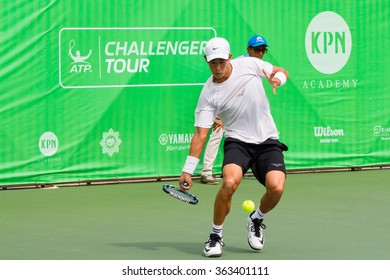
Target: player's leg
[210,155]
[274,184]
[232,176]
[269,169]
[237,159]
[236,162]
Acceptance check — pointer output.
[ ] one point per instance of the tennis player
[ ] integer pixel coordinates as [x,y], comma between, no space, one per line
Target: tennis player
[257,47]
[235,93]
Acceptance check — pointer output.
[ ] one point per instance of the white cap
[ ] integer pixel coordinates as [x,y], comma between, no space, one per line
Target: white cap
[217,48]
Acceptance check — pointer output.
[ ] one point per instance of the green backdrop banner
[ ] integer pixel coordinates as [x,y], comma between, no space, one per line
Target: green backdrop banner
[93,90]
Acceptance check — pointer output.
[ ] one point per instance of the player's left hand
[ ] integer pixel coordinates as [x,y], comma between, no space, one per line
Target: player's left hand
[275,82]
[217,125]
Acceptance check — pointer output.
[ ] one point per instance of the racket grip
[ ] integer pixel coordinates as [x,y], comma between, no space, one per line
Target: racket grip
[185,184]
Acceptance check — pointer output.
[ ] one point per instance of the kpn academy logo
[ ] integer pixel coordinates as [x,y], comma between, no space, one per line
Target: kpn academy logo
[328,44]
[48,145]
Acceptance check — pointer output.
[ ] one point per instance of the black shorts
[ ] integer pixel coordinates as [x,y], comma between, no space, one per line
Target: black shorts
[261,158]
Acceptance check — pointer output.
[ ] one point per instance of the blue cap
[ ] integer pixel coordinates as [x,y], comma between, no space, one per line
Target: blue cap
[256,41]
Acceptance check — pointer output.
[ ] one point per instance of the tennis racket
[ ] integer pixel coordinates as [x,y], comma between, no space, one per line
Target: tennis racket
[180,194]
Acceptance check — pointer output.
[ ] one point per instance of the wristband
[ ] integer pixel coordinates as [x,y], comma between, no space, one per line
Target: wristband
[190,164]
[281,77]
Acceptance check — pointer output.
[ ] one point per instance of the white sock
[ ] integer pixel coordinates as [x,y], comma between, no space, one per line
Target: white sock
[217,230]
[258,214]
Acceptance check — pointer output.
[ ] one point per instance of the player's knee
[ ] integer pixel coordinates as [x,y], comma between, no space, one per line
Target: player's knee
[229,186]
[277,190]
[275,187]
[275,182]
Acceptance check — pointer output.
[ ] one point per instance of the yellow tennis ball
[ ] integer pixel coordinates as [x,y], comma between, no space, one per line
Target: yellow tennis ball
[248,206]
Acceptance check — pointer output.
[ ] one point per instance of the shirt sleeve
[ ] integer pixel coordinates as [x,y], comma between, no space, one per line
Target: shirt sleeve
[267,67]
[258,65]
[204,113]
[204,119]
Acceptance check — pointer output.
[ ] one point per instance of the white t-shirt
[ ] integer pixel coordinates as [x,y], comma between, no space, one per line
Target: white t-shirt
[240,101]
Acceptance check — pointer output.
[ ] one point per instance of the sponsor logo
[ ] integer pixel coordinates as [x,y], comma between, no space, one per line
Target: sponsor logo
[129,57]
[327,134]
[382,132]
[48,144]
[176,142]
[328,44]
[163,139]
[80,63]
[321,84]
[110,142]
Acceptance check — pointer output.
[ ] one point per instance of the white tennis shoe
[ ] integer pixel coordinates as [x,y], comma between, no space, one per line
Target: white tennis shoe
[255,233]
[214,246]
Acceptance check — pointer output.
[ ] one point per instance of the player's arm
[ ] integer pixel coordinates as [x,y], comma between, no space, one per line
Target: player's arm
[276,69]
[196,148]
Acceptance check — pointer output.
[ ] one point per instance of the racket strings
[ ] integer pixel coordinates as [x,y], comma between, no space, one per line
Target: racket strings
[180,194]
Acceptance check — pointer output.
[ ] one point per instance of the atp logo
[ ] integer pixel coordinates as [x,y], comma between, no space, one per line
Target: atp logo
[328,42]
[80,63]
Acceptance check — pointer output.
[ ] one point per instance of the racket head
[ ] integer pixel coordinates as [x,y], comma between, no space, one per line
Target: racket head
[180,194]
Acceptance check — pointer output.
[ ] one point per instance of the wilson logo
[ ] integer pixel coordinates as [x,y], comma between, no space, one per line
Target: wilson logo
[320,131]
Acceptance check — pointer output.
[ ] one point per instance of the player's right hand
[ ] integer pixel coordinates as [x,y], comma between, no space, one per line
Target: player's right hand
[185,181]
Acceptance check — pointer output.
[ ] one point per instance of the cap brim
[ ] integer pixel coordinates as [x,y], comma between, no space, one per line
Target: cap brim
[258,45]
[217,55]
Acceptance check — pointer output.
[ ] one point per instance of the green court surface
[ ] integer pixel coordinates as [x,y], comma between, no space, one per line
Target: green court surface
[322,216]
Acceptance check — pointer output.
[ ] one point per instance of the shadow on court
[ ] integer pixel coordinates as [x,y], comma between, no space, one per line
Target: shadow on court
[188,247]
[192,248]
[195,249]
